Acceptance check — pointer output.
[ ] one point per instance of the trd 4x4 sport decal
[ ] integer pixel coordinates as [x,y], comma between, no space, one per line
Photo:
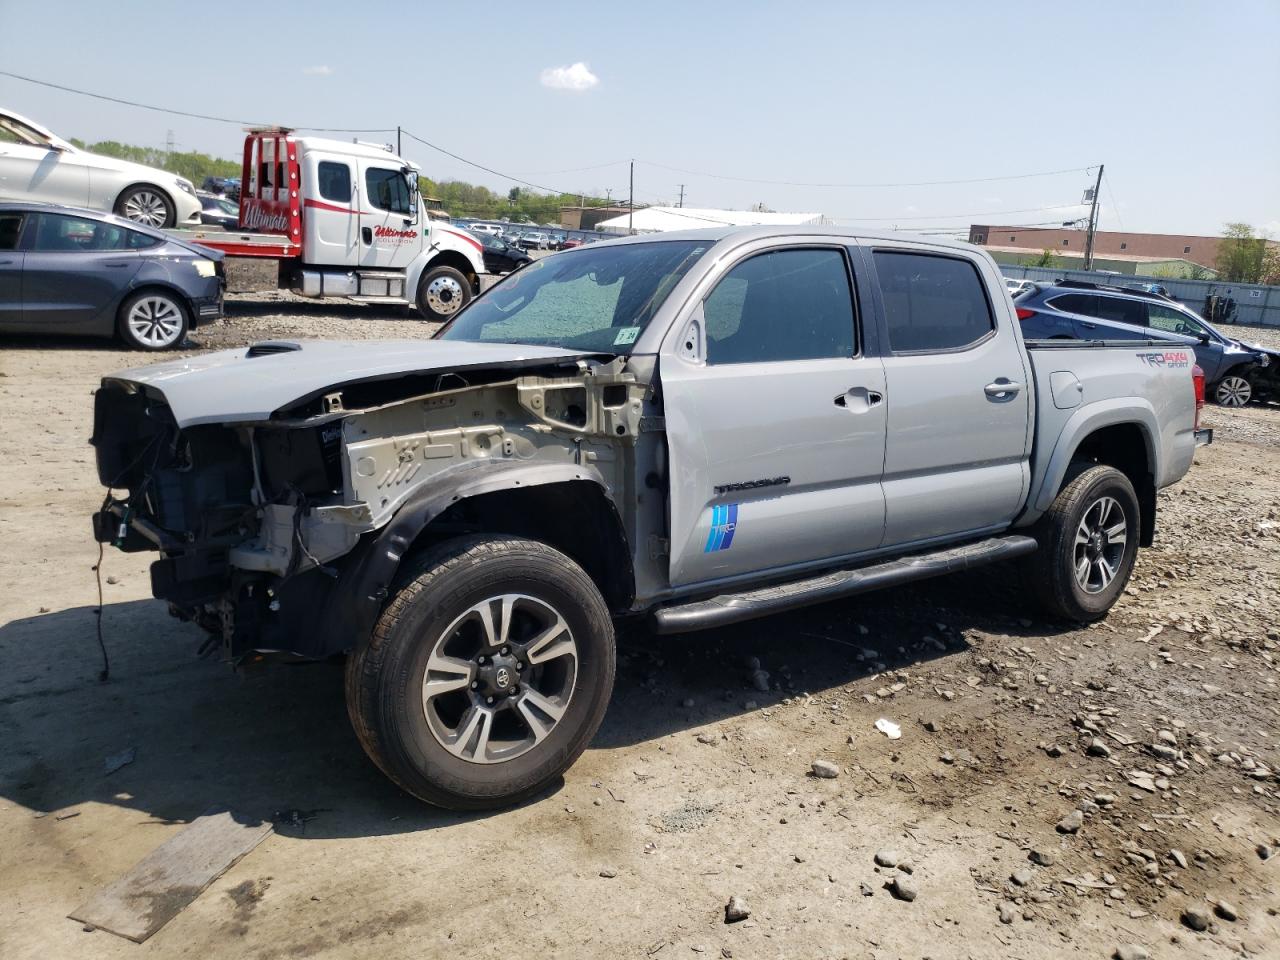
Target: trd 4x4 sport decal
[1166,358]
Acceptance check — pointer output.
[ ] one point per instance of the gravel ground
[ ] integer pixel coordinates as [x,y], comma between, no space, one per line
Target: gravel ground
[1055,791]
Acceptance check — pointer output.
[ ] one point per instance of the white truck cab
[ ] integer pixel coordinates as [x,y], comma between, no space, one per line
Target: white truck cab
[346,220]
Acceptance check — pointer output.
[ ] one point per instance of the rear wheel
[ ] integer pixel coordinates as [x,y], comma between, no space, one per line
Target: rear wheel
[1088,543]
[1233,390]
[153,320]
[487,674]
[147,205]
[442,292]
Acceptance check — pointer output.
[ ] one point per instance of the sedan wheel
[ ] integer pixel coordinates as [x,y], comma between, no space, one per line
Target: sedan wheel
[1233,391]
[153,321]
[146,205]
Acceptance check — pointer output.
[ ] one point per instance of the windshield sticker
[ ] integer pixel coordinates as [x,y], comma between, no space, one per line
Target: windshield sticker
[626,335]
[724,521]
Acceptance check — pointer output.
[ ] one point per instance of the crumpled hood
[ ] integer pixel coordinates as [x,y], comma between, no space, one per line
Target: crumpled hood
[231,386]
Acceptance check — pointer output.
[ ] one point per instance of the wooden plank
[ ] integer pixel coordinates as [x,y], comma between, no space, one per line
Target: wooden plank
[163,882]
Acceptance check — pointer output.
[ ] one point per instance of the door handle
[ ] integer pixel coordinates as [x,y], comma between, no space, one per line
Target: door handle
[366,234]
[863,398]
[1002,389]
[1088,326]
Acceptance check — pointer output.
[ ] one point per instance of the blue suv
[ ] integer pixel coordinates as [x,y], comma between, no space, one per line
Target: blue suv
[1234,372]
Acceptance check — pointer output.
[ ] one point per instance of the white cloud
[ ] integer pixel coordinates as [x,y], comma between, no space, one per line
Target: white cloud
[320,70]
[577,77]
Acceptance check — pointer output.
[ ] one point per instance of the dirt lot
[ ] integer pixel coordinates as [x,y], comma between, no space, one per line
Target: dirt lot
[1160,726]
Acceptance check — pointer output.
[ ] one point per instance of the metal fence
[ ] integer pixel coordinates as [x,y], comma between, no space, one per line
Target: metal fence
[1255,304]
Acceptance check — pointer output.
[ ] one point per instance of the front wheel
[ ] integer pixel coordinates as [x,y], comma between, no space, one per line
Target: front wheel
[487,674]
[146,205]
[1088,543]
[442,292]
[1233,390]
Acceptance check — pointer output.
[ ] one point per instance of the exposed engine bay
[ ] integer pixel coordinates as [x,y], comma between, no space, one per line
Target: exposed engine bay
[262,525]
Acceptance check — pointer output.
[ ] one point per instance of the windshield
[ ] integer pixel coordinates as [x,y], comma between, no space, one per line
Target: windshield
[596,299]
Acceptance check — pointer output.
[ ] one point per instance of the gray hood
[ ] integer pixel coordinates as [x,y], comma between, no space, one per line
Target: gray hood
[236,386]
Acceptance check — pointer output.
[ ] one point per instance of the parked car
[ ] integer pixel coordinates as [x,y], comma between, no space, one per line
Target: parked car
[228,187]
[35,164]
[1236,372]
[533,240]
[571,243]
[1016,286]
[492,229]
[218,211]
[699,428]
[72,271]
[500,256]
[555,241]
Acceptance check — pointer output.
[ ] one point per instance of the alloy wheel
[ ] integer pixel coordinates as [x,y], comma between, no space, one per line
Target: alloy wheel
[155,321]
[1100,544]
[1233,391]
[147,207]
[499,678]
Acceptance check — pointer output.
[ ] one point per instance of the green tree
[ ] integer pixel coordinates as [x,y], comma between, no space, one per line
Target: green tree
[1047,258]
[191,164]
[1242,255]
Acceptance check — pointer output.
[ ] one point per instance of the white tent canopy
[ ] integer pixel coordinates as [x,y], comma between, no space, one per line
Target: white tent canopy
[659,219]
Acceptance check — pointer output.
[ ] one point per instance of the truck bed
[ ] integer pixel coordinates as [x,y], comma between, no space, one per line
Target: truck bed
[235,244]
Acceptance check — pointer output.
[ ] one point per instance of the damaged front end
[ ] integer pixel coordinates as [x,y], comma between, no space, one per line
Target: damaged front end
[271,532]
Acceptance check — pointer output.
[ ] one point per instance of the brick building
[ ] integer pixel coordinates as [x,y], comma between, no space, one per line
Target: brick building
[1106,243]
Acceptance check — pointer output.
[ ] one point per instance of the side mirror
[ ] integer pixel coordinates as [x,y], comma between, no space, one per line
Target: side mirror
[55,147]
[1203,338]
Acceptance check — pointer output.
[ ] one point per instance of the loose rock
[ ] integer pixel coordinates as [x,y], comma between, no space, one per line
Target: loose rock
[1226,911]
[1071,823]
[887,858]
[1022,878]
[904,888]
[1131,951]
[736,909]
[1042,858]
[1006,913]
[1196,918]
[608,873]
[825,769]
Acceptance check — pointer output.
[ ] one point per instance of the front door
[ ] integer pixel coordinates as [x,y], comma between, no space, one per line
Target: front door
[775,418]
[959,427]
[74,272]
[390,234]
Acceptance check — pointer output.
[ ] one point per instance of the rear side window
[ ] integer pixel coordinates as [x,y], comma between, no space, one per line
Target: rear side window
[1082,303]
[55,233]
[784,305]
[334,181]
[388,190]
[932,303]
[1131,312]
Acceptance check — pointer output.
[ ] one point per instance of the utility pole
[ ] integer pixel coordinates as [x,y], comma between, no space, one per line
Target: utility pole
[1093,221]
[631,202]
[399,152]
[681,203]
[168,148]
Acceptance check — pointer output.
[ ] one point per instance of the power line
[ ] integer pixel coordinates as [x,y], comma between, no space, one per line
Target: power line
[185,113]
[1116,206]
[922,183]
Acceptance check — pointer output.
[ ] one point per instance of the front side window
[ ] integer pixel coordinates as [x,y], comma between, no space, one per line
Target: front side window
[57,233]
[334,181]
[596,300]
[782,305]
[1173,321]
[932,303]
[388,190]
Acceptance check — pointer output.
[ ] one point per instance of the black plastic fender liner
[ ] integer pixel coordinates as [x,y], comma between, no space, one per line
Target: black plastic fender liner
[354,600]
[763,601]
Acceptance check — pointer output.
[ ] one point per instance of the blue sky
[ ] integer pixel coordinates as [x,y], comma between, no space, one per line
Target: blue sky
[1180,100]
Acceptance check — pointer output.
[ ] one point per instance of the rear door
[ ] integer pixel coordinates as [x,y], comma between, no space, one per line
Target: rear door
[10,269]
[959,424]
[75,271]
[390,236]
[776,431]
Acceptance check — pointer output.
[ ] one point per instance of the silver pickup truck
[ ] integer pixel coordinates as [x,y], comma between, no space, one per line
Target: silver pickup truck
[698,427]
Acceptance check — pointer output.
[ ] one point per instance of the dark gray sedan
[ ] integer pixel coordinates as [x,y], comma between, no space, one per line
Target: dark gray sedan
[65,270]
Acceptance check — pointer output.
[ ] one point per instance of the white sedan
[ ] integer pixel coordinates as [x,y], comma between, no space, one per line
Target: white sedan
[35,164]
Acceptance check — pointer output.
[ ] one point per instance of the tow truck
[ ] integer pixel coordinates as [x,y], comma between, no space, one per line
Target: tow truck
[346,219]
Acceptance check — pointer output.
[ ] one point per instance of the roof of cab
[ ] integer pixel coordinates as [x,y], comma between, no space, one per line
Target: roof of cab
[745,234]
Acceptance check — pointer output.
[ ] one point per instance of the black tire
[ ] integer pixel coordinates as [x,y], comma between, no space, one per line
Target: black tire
[438,290]
[162,312]
[1054,575]
[385,675]
[146,204]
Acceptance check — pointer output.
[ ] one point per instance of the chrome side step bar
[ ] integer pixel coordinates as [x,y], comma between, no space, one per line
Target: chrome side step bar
[764,601]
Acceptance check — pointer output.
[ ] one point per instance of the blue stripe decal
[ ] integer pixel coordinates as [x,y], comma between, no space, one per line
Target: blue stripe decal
[724,521]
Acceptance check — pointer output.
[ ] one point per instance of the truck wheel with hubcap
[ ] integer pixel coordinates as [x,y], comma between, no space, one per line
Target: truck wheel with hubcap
[1088,542]
[442,292]
[486,675]
[153,320]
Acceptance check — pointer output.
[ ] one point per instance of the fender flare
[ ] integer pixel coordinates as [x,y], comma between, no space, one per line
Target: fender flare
[439,241]
[1106,413]
[355,601]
